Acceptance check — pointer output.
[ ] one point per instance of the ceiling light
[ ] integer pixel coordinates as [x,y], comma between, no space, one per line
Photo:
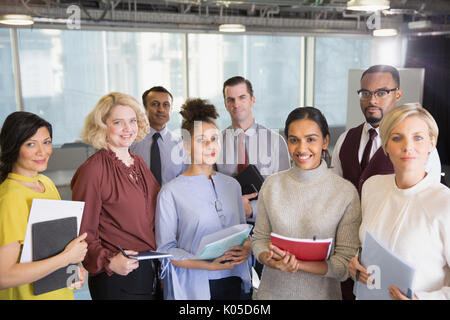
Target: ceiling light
[368,5]
[16,19]
[232,28]
[385,32]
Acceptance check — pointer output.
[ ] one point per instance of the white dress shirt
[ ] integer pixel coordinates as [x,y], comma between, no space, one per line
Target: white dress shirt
[414,224]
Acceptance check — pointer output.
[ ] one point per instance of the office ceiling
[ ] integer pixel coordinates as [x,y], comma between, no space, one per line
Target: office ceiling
[430,17]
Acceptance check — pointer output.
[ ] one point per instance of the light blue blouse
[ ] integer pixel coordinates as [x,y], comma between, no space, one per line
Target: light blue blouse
[185,212]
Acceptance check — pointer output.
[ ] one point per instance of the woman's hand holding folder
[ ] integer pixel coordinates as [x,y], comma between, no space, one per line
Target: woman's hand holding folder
[357,271]
[247,206]
[81,277]
[76,250]
[279,259]
[285,261]
[123,265]
[239,254]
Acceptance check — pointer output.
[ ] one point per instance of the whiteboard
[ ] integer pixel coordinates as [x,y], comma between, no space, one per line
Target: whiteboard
[411,83]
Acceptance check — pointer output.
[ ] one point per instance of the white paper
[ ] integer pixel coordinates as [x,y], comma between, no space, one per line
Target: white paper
[388,270]
[47,210]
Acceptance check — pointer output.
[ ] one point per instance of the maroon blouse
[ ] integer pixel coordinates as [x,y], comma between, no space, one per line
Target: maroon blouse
[120,204]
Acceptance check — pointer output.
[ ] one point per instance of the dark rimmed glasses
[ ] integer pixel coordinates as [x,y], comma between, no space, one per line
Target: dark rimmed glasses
[379,93]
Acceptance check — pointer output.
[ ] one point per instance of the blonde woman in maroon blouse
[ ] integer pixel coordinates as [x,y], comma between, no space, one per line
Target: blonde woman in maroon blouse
[120,195]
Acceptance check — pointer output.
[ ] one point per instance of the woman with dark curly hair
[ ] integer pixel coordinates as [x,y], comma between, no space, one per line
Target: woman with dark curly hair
[199,202]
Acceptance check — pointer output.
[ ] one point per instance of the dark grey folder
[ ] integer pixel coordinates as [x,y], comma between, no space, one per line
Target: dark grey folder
[50,238]
[250,179]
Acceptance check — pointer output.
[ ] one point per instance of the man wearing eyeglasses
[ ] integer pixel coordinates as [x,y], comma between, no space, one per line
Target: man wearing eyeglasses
[358,154]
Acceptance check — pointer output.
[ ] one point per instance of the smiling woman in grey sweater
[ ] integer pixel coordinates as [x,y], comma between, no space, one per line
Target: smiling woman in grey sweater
[306,201]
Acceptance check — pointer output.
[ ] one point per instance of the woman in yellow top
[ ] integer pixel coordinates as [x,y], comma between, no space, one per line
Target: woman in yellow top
[26,146]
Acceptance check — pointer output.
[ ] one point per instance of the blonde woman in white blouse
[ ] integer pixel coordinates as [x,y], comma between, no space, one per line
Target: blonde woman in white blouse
[407,211]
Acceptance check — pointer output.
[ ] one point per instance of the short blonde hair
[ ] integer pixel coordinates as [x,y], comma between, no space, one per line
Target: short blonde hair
[400,113]
[94,130]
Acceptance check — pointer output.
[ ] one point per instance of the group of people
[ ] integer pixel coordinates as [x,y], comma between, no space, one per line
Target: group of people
[149,189]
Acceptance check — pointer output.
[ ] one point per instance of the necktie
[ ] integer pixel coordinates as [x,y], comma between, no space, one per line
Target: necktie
[366,155]
[242,153]
[155,158]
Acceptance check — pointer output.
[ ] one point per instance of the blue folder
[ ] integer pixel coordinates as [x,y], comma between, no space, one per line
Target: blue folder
[388,269]
[215,245]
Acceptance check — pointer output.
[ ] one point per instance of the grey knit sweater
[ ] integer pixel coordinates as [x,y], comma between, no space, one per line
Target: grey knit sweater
[302,204]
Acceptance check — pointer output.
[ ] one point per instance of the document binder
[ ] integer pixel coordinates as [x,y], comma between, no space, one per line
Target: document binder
[50,238]
[304,249]
[250,179]
[388,269]
[216,244]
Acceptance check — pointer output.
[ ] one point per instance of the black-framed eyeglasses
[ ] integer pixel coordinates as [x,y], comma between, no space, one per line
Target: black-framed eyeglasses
[379,93]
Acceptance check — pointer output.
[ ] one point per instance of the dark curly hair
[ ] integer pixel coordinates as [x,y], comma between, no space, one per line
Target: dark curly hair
[195,109]
[18,127]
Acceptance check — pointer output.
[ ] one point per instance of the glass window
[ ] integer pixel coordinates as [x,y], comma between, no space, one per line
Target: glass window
[333,58]
[7,88]
[271,63]
[138,61]
[65,72]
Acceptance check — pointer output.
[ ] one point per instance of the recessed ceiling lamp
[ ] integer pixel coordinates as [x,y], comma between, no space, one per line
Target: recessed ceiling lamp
[385,32]
[16,19]
[232,28]
[368,5]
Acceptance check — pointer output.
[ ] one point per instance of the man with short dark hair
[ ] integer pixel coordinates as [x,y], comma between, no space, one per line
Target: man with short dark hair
[161,149]
[247,142]
[357,154]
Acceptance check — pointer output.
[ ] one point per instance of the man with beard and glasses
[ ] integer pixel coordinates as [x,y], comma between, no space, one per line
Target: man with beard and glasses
[358,154]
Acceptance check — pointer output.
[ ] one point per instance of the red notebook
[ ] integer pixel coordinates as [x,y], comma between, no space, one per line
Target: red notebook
[304,249]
